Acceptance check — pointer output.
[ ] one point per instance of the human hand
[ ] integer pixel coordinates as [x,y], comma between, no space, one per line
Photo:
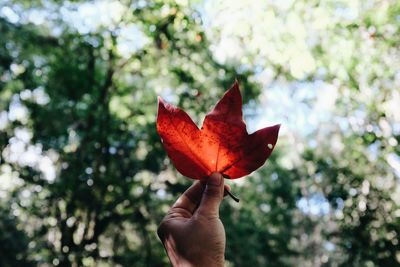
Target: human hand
[192,233]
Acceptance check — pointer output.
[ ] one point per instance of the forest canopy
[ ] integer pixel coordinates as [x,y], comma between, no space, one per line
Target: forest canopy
[84,179]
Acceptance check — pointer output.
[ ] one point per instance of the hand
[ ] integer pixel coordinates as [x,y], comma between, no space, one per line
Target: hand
[192,233]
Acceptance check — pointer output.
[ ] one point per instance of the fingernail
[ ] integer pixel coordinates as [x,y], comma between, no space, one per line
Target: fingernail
[215,179]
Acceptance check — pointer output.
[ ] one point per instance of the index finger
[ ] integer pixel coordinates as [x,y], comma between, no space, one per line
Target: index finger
[190,199]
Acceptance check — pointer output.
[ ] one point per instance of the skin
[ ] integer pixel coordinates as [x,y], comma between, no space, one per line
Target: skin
[191,232]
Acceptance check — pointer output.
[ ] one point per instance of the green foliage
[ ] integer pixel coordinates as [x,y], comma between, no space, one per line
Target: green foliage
[13,241]
[90,115]
[84,180]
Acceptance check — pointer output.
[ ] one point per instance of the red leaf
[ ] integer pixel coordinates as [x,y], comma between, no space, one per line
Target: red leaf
[222,145]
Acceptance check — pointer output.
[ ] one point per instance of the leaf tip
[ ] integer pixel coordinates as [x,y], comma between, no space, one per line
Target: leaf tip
[275,132]
[234,94]
[161,103]
[235,85]
[277,127]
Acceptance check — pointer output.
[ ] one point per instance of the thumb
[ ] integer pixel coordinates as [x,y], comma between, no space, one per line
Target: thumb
[212,196]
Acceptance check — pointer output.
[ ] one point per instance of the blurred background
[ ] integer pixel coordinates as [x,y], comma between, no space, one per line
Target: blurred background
[84,180]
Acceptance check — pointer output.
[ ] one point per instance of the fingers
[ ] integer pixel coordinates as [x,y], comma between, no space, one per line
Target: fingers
[190,199]
[212,196]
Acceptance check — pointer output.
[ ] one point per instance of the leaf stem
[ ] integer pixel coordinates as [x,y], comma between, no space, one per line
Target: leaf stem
[232,195]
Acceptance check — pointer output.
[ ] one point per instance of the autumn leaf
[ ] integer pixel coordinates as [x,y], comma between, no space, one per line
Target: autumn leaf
[221,145]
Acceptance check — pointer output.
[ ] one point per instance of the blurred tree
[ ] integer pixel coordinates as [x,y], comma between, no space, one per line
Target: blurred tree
[78,138]
[84,179]
[347,53]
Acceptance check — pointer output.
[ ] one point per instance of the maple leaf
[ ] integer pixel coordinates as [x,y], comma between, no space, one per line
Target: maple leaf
[221,145]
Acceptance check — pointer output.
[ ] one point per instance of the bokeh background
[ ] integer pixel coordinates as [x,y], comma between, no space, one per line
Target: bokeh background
[84,180]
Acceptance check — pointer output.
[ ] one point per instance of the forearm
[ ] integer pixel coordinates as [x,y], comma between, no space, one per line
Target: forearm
[193,260]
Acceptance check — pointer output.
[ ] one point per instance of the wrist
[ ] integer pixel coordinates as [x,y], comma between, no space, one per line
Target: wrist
[195,261]
[181,262]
